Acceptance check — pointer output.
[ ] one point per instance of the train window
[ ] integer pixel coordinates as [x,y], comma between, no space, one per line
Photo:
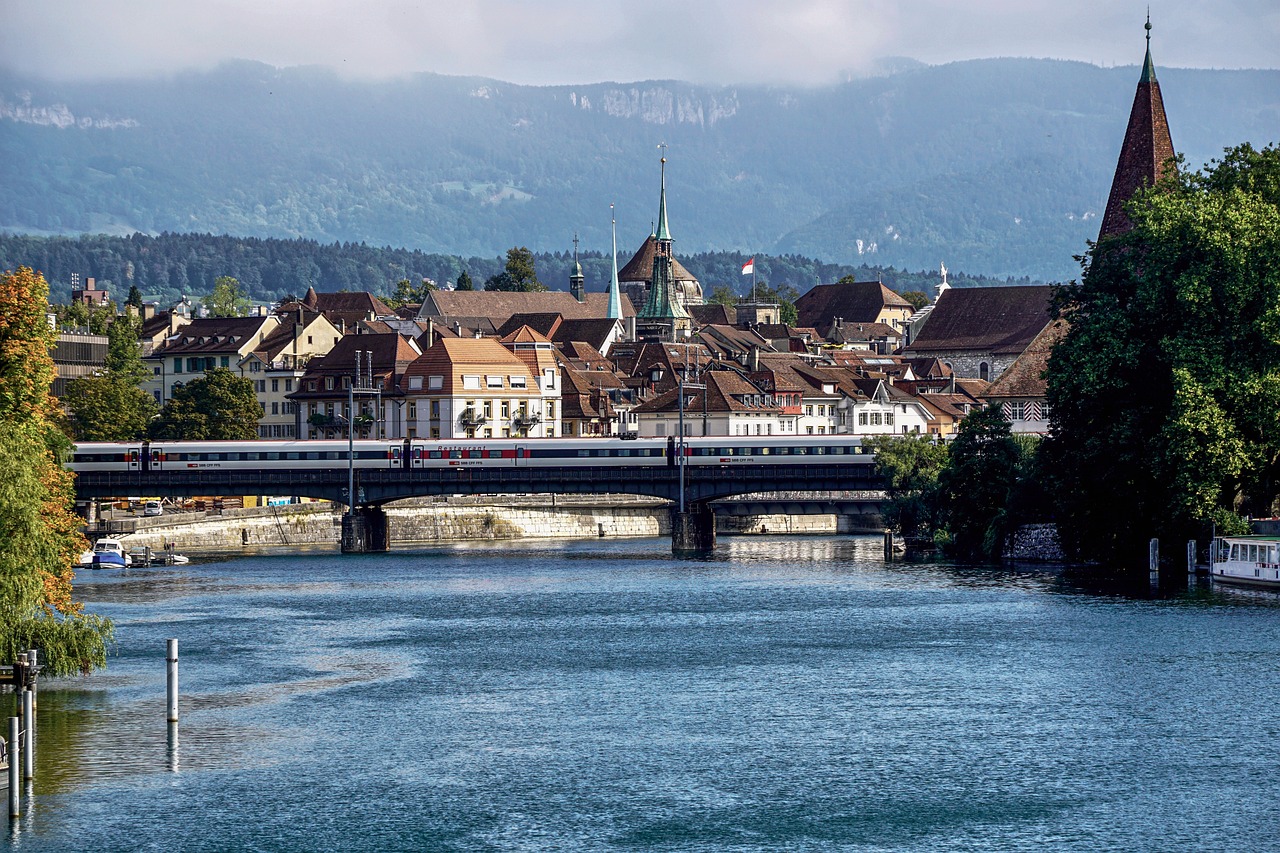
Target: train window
[819,451]
[765,451]
[584,452]
[293,455]
[475,454]
[455,454]
[311,454]
[273,454]
[837,451]
[435,454]
[800,451]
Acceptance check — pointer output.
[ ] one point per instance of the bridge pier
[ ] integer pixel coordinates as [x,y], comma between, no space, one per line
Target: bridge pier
[365,530]
[693,532]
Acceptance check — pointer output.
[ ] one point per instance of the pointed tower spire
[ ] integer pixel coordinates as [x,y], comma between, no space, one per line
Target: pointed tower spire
[577,281]
[615,290]
[1146,151]
[663,232]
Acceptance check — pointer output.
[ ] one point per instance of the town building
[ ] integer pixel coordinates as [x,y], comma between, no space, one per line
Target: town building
[979,331]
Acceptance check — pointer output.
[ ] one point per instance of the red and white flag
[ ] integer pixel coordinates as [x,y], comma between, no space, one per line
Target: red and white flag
[749,267]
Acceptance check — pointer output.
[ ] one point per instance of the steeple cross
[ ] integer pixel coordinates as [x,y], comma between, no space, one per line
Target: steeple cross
[575,245]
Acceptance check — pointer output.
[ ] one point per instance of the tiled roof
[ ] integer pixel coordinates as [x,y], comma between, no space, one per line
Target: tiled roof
[546,323]
[216,335]
[454,357]
[499,305]
[857,302]
[999,320]
[1147,147]
[595,332]
[640,267]
[725,391]
[713,313]
[1025,377]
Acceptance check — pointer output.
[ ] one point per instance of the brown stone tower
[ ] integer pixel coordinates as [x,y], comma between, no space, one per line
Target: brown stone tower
[1147,149]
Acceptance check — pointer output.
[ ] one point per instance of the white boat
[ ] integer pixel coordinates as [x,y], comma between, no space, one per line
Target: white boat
[1252,560]
[109,554]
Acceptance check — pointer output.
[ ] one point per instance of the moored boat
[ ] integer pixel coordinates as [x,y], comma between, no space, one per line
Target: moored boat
[1252,560]
[109,554]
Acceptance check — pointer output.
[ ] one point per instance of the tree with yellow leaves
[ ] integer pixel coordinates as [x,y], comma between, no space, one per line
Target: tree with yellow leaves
[39,532]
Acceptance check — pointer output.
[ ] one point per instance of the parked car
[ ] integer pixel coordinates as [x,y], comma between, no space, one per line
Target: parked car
[152,508]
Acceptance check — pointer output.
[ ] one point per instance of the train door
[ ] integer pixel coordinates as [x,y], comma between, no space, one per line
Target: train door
[397,460]
[135,459]
[521,456]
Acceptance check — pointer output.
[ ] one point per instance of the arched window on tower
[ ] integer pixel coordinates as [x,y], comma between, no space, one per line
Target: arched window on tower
[984,371]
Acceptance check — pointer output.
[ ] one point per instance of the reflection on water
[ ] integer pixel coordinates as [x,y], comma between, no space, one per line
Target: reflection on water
[785,693]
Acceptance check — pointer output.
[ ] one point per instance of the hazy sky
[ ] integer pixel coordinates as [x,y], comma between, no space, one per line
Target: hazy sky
[583,41]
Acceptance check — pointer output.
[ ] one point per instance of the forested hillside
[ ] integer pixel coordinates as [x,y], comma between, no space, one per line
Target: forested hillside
[994,166]
[170,266]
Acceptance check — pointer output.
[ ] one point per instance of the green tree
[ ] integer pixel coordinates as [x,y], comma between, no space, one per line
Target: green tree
[917,298]
[464,282]
[983,464]
[1166,389]
[218,406]
[910,466]
[100,318]
[406,293]
[519,273]
[124,357]
[73,316]
[135,297]
[106,408]
[722,294]
[39,532]
[228,298]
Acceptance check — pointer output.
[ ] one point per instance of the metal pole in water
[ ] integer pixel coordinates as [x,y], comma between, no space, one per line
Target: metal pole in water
[14,810]
[31,662]
[172,658]
[1153,561]
[29,741]
[1191,556]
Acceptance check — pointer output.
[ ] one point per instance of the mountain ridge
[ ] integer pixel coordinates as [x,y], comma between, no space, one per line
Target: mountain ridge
[995,166]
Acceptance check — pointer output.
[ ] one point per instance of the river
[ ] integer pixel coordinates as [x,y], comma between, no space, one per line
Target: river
[786,694]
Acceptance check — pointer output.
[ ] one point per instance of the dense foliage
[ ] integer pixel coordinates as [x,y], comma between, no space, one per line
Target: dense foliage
[39,532]
[111,406]
[909,465]
[218,406]
[1166,391]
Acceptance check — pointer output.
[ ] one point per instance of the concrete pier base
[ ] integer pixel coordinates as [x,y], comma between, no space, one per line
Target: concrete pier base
[365,531]
[693,532]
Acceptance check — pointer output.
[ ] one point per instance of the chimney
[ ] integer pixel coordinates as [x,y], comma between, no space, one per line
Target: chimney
[754,359]
[457,328]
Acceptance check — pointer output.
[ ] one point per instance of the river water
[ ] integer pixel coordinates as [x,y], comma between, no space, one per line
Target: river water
[786,694]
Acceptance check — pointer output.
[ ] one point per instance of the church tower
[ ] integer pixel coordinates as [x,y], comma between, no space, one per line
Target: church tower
[615,291]
[663,317]
[1147,149]
[577,281]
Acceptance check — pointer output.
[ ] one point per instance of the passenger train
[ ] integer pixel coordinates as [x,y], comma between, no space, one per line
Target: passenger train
[162,455]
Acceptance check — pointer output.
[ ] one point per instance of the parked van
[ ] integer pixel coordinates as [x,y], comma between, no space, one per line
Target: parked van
[152,508]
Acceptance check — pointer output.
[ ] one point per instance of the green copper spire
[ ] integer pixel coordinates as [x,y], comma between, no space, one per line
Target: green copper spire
[1148,67]
[615,290]
[663,232]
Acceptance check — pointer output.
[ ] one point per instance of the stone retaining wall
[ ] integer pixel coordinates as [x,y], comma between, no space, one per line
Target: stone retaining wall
[457,518]
[1034,543]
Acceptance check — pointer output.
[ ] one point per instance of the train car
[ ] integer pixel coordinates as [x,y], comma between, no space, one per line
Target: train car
[184,455]
[536,453]
[107,456]
[777,450]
